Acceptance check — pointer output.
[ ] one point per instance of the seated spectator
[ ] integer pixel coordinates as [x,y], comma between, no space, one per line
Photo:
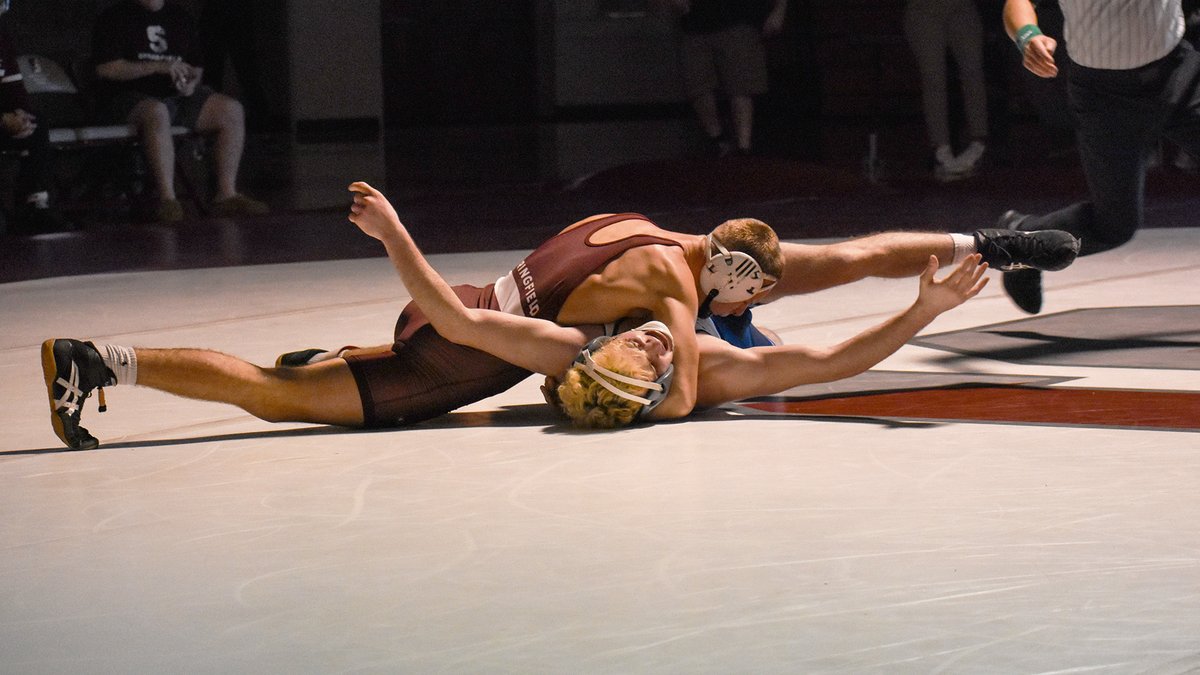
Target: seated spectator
[20,131]
[148,65]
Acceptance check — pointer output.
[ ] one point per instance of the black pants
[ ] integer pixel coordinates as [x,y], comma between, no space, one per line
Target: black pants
[34,174]
[1122,114]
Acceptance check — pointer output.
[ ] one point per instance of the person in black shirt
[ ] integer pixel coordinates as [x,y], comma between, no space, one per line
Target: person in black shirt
[148,62]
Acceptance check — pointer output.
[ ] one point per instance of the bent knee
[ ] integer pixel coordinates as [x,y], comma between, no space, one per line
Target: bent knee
[150,113]
[222,111]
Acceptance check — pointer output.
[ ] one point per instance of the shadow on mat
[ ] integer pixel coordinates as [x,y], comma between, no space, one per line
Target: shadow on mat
[737,411]
[525,415]
[242,436]
[1042,348]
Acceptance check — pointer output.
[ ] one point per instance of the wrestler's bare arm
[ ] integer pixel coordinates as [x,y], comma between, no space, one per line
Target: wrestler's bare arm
[661,278]
[730,374]
[533,344]
[816,267]
[654,280]
[680,317]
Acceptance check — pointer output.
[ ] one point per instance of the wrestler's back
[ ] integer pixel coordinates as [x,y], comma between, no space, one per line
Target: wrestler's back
[622,288]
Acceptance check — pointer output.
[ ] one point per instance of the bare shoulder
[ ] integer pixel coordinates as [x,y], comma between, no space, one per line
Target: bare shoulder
[585,221]
[653,262]
[620,228]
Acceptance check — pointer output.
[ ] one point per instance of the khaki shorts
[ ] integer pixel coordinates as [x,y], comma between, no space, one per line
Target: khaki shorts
[182,110]
[732,60]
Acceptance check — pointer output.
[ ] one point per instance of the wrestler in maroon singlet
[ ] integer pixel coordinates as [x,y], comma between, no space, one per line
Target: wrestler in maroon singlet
[426,375]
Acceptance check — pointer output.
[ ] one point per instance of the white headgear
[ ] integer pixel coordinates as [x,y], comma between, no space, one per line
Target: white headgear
[733,276]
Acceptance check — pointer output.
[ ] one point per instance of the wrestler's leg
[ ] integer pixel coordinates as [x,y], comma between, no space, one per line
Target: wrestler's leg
[815,267]
[894,255]
[324,393]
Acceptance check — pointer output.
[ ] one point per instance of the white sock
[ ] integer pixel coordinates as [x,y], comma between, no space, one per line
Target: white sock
[971,156]
[964,245]
[121,360]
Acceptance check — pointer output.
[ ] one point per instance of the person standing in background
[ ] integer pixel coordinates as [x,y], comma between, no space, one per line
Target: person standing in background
[721,51]
[934,27]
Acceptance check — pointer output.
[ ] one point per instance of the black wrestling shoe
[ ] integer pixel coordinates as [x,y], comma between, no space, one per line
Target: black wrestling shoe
[1008,250]
[1025,289]
[297,359]
[72,369]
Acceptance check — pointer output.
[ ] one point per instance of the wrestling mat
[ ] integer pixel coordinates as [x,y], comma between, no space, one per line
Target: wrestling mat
[1156,338]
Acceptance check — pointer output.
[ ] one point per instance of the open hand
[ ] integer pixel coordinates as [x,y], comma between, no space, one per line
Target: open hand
[961,285]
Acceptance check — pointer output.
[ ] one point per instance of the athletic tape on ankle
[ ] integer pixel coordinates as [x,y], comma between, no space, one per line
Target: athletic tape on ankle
[1024,34]
[964,245]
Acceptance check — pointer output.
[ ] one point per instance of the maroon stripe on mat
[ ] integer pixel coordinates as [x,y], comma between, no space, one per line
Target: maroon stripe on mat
[1092,407]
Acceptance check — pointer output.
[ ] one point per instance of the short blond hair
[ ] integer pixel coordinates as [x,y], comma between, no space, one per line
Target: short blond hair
[589,404]
[754,238]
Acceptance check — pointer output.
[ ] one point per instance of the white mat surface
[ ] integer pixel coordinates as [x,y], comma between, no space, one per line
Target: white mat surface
[199,539]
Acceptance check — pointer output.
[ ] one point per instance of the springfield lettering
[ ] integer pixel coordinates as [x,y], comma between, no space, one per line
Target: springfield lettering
[530,294]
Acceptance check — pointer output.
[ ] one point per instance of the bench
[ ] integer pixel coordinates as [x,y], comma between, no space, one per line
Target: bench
[59,102]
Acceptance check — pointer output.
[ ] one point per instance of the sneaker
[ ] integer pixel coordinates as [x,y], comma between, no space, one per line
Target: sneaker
[720,146]
[168,211]
[307,357]
[1025,288]
[72,369]
[969,160]
[1008,250]
[946,167]
[944,173]
[239,205]
[298,358]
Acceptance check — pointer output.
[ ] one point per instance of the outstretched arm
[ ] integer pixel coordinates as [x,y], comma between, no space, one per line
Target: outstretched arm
[533,344]
[730,374]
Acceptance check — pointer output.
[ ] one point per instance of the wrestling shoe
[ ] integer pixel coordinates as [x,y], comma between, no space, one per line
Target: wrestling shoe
[1025,289]
[1007,250]
[72,369]
[298,358]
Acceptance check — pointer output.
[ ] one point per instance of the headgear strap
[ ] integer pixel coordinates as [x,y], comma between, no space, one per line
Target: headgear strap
[657,389]
[595,370]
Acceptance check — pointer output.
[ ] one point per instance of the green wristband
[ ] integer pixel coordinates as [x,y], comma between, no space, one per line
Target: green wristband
[1025,34]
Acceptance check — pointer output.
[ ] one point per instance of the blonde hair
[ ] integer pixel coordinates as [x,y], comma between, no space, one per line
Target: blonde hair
[754,238]
[590,405]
